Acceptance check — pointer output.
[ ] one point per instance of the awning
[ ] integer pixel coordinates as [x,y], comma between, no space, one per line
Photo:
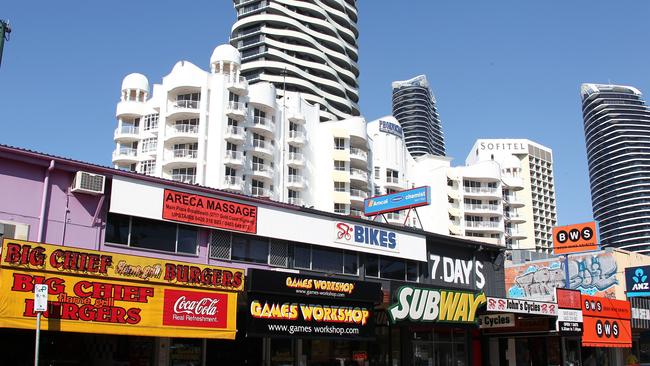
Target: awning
[609,345]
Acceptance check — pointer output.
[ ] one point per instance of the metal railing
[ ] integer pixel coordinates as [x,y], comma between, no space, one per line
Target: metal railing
[127,130]
[234,155]
[481,207]
[480,190]
[482,224]
[259,191]
[235,131]
[185,128]
[296,156]
[258,167]
[267,123]
[185,178]
[355,151]
[128,151]
[391,179]
[358,193]
[185,153]
[296,135]
[359,173]
[231,180]
[295,201]
[236,106]
[260,144]
[295,178]
[191,104]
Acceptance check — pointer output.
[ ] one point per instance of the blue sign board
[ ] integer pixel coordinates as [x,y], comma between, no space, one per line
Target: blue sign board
[410,198]
[637,281]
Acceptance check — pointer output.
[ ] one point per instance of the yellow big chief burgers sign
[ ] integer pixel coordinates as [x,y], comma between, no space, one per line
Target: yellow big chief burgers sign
[100,292]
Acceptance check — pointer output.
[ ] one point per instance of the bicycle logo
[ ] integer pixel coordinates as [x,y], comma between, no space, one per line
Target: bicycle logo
[345,231]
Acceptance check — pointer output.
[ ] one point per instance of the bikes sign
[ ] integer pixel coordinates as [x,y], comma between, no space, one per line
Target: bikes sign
[366,236]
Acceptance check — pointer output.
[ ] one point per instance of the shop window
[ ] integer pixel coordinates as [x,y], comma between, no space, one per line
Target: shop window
[372,265]
[391,268]
[247,248]
[325,259]
[144,233]
[13,230]
[302,256]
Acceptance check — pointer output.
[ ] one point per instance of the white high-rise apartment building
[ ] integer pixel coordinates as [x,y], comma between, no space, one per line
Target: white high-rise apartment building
[214,129]
[529,190]
[307,46]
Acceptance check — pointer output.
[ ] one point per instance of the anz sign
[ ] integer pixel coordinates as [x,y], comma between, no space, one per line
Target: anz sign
[637,281]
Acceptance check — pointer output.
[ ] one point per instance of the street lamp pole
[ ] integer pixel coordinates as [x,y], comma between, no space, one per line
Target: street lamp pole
[5,30]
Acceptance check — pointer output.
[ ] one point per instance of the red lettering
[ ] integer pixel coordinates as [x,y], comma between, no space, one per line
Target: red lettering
[170,272]
[226,278]
[25,283]
[13,253]
[133,316]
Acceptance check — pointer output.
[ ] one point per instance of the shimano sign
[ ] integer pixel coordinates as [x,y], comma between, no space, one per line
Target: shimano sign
[409,198]
[365,236]
[391,128]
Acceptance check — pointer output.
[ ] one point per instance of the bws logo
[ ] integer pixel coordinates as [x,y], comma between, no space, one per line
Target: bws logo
[575,235]
[607,329]
[195,309]
[640,279]
[574,238]
[365,236]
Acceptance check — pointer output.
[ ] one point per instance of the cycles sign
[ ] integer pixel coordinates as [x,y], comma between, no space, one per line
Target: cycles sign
[521,306]
[365,236]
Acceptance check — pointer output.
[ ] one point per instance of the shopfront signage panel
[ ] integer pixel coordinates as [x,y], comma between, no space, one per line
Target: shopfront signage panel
[304,286]
[88,294]
[568,299]
[421,304]
[398,201]
[521,306]
[391,128]
[640,312]
[290,224]
[456,272]
[490,321]
[574,238]
[637,281]
[569,328]
[606,322]
[366,236]
[207,211]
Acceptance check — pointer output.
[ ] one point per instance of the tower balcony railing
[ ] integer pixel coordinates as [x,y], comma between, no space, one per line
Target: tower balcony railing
[355,152]
[185,128]
[185,153]
[482,224]
[488,190]
[185,178]
[189,104]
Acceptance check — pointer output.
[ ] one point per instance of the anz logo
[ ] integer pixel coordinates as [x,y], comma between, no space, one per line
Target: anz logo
[640,280]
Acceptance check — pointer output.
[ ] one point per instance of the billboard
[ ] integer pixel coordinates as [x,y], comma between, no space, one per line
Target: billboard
[574,238]
[592,274]
[606,322]
[398,201]
[100,292]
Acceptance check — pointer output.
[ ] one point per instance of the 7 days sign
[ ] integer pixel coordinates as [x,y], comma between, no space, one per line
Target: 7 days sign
[434,305]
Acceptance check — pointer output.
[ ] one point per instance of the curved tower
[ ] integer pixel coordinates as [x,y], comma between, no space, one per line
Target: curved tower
[414,106]
[617,136]
[310,46]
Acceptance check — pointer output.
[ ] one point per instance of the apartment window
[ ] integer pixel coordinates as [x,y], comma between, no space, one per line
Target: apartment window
[247,248]
[148,167]
[232,97]
[293,171]
[339,165]
[377,172]
[149,144]
[293,194]
[293,126]
[232,122]
[391,268]
[150,234]
[189,96]
[339,143]
[230,146]
[340,187]
[187,125]
[377,190]
[13,230]
[341,208]
[230,172]
[151,122]
[392,176]
[257,113]
[492,184]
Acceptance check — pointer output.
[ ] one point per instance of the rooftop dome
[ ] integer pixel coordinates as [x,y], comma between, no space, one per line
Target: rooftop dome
[225,52]
[135,81]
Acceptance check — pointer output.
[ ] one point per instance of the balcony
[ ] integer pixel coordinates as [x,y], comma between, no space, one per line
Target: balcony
[482,208]
[515,234]
[296,117]
[125,155]
[394,217]
[126,134]
[358,155]
[178,158]
[295,201]
[233,183]
[262,147]
[482,191]
[260,124]
[184,178]
[183,108]
[236,110]
[483,225]
[358,213]
[233,158]
[182,133]
[260,192]
[235,134]
[296,181]
[393,182]
[513,201]
[296,138]
[514,217]
[358,195]
[295,159]
[359,175]
[262,171]
[237,85]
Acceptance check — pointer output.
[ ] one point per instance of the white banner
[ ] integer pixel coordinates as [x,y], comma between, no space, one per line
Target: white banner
[566,315]
[521,306]
[496,321]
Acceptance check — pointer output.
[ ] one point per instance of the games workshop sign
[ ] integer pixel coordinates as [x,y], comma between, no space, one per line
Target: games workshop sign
[298,285]
[419,304]
[99,292]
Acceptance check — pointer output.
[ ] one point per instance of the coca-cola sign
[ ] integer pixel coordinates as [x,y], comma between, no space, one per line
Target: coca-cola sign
[195,309]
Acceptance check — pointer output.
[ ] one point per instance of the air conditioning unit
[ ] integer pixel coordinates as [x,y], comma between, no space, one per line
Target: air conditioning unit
[88,183]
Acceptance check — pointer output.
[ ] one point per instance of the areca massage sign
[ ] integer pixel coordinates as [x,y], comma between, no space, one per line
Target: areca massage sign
[115,293]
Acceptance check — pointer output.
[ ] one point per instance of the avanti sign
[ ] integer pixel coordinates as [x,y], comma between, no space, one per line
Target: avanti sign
[418,304]
[398,201]
[637,281]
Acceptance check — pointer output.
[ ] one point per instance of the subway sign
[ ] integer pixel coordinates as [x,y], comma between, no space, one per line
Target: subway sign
[398,201]
[419,304]
[365,236]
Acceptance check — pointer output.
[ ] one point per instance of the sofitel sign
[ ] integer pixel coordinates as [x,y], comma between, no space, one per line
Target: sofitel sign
[503,146]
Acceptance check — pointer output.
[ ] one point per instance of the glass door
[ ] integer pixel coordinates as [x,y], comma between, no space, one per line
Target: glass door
[422,353]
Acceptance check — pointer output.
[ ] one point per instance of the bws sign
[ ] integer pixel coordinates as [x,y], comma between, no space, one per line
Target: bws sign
[434,305]
[637,281]
[365,236]
[574,238]
[606,322]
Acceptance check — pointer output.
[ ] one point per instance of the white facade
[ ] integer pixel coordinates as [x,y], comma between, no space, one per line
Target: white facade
[213,129]
[528,189]
[307,46]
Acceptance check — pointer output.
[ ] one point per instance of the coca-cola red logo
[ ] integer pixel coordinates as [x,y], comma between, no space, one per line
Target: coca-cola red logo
[195,309]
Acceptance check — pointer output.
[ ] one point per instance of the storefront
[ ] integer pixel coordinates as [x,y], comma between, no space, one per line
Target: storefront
[607,334]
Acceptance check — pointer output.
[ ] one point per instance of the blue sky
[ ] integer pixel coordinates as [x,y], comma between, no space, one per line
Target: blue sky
[499,69]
